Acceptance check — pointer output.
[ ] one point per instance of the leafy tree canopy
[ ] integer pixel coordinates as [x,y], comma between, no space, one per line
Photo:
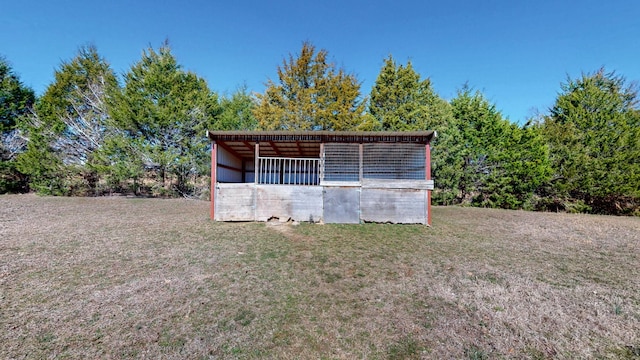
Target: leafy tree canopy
[311,94]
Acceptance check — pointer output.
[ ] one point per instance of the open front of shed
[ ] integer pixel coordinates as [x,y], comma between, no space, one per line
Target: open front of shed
[321,176]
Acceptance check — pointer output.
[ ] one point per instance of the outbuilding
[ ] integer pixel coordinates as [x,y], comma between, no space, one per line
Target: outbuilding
[321,176]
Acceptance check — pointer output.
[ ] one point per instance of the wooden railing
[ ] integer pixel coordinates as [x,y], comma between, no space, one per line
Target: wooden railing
[288,171]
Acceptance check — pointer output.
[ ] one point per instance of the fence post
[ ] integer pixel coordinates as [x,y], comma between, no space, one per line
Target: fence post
[427,175]
[256,164]
[214,163]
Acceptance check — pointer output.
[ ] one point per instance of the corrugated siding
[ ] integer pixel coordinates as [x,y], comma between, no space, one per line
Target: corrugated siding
[249,174]
[225,174]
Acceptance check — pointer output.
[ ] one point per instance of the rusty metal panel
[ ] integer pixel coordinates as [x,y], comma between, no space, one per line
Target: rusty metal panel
[393,205]
[341,205]
[298,202]
[235,202]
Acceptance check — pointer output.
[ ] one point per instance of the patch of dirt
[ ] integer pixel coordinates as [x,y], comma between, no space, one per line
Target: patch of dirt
[286,227]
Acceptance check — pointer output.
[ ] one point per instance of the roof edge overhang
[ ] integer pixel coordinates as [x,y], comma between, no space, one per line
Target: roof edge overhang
[417,137]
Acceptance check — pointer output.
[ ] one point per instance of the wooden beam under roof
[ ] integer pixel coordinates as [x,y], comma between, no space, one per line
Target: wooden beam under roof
[230,149]
[249,146]
[300,150]
[275,148]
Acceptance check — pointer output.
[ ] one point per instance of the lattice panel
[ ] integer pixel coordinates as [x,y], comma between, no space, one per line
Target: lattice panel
[341,162]
[394,161]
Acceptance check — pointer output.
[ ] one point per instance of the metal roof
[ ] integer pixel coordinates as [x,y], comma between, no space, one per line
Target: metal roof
[306,143]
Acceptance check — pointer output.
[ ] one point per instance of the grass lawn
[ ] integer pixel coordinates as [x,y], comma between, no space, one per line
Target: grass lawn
[148,278]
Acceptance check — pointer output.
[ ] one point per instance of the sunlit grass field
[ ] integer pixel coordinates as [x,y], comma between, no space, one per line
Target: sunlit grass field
[149,278]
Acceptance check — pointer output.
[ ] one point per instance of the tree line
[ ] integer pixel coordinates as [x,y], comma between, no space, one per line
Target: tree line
[93,132]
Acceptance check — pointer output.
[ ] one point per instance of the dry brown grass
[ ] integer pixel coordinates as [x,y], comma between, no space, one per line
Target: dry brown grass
[144,278]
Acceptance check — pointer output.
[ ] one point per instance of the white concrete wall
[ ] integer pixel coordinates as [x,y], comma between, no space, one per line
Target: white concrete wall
[376,202]
[406,206]
[235,202]
[300,203]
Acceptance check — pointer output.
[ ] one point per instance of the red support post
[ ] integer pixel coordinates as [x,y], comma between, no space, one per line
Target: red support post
[214,179]
[427,173]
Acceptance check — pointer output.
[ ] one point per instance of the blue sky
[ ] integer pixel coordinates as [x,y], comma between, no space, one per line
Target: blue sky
[516,52]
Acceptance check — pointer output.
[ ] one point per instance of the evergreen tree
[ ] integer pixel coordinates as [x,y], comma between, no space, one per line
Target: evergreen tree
[401,101]
[503,164]
[593,131]
[68,126]
[311,94]
[120,163]
[164,112]
[16,100]
[522,166]
[237,112]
